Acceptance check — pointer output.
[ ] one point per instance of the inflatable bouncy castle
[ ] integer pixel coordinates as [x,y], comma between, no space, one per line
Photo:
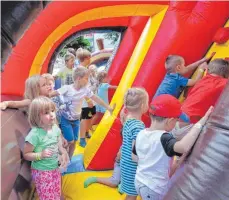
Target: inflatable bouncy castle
[31,33]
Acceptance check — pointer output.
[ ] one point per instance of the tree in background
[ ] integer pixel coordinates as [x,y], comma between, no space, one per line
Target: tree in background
[113,36]
[76,43]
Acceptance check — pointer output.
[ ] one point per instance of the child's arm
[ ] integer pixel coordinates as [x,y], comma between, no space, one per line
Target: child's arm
[15,104]
[134,153]
[31,156]
[64,155]
[186,143]
[113,87]
[199,74]
[102,103]
[54,93]
[193,66]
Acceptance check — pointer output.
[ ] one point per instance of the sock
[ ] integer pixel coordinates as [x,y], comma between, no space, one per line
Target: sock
[119,189]
[89,181]
[82,142]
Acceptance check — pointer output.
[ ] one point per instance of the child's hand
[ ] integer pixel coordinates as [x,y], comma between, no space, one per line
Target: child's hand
[64,142]
[90,104]
[46,153]
[210,57]
[64,160]
[111,109]
[3,105]
[203,66]
[206,116]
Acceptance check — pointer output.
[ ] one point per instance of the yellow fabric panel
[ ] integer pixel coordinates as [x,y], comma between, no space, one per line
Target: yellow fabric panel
[126,82]
[93,14]
[221,51]
[73,187]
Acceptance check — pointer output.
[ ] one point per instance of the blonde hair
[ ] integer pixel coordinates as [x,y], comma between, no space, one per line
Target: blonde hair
[48,77]
[220,67]
[68,56]
[79,72]
[38,106]
[32,87]
[81,54]
[134,99]
[101,75]
[171,62]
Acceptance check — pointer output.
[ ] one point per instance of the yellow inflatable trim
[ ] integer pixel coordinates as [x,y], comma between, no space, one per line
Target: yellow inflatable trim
[126,82]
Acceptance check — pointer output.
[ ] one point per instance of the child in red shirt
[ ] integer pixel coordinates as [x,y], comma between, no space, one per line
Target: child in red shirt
[206,92]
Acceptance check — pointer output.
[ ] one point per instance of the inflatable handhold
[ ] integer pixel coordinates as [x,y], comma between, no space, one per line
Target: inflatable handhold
[222,35]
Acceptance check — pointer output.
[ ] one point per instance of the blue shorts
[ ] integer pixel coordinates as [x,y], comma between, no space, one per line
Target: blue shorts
[70,129]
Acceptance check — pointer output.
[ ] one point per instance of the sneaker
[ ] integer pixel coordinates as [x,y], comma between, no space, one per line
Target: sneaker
[83,142]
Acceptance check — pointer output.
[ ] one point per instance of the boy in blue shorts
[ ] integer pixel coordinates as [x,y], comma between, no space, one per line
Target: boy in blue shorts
[73,96]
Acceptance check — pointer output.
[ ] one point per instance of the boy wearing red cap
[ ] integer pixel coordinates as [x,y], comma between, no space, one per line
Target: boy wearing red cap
[151,180]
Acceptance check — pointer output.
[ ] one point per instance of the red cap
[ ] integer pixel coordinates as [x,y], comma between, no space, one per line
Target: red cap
[166,106]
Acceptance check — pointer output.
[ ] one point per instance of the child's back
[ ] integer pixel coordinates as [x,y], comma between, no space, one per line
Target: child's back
[206,92]
[153,164]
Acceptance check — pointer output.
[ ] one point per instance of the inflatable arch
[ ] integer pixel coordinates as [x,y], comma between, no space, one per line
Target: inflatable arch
[153,30]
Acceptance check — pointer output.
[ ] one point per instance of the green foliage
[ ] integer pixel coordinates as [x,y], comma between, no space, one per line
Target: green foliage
[113,36]
[76,43]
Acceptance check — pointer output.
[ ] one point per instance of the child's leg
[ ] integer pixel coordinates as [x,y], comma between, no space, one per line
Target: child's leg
[48,184]
[146,193]
[112,181]
[67,130]
[128,197]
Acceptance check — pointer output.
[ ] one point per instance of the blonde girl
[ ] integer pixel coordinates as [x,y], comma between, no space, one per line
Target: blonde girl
[135,105]
[34,86]
[42,147]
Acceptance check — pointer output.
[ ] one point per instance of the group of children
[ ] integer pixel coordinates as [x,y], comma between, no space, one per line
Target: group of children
[144,165]
[143,162]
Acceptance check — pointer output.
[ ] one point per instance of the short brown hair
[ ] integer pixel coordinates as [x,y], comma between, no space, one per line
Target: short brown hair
[79,72]
[101,75]
[38,106]
[219,67]
[82,54]
[171,62]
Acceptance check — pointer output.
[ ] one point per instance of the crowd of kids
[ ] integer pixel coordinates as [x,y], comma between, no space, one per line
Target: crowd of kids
[143,164]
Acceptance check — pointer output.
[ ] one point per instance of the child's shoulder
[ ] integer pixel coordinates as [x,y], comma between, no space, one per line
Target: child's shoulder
[133,123]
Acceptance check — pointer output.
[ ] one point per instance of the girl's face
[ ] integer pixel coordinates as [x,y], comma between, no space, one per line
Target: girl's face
[44,88]
[70,63]
[50,84]
[48,118]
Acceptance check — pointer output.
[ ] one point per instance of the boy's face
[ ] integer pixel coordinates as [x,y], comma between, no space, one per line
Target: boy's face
[170,123]
[87,60]
[180,68]
[70,63]
[83,81]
